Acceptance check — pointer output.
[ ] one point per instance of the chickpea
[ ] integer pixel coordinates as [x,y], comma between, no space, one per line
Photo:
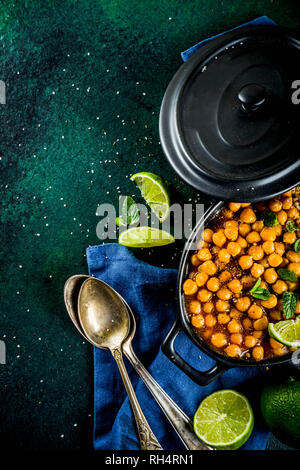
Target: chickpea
[223,318]
[218,340]
[233,350]
[268,234]
[248,281]
[253,237]
[279,248]
[268,247]
[280,287]
[222,305]
[258,334]
[234,313]
[224,256]
[198,321]
[213,284]
[227,213]
[210,320]
[209,267]
[243,303]
[208,307]
[248,216]
[264,262]
[219,238]
[256,252]
[189,287]
[195,306]
[288,193]
[204,295]
[235,286]
[207,333]
[204,254]
[298,308]
[258,226]
[233,248]
[195,260]
[271,302]
[201,279]
[274,260]
[293,257]
[224,294]
[275,315]
[255,311]
[242,242]
[202,244]
[247,324]
[275,344]
[236,338]
[287,203]
[295,267]
[231,233]
[250,341]
[293,213]
[232,224]
[234,326]
[234,206]
[258,353]
[289,237]
[244,229]
[279,351]
[282,217]
[257,270]
[270,275]
[245,262]
[207,235]
[293,285]
[275,205]
[225,276]
[278,230]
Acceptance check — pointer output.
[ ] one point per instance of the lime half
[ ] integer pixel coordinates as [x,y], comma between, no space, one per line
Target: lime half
[224,420]
[286,332]
[145,237]
[155,193]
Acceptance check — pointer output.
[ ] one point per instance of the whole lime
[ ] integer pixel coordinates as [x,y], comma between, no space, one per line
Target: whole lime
[280,405]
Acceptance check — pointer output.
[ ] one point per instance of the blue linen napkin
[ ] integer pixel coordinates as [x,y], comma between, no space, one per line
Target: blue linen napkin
[151,291]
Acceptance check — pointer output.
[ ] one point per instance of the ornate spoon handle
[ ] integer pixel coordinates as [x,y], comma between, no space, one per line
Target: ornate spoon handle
[178,419]
[148,440]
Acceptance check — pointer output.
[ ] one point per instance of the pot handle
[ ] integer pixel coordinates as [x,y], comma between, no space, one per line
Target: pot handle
[201,378]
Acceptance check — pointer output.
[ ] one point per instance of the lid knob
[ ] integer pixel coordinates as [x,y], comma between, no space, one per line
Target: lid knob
[252,97]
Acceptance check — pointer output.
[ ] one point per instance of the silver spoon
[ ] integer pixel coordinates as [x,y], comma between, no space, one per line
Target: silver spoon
[105,321]
[177,418]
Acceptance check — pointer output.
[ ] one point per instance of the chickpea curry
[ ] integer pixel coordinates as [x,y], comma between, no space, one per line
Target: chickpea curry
[244,276]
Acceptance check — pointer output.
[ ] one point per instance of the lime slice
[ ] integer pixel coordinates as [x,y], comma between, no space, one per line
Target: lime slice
[224,420]
[155,193]
[145,237]
[286,332]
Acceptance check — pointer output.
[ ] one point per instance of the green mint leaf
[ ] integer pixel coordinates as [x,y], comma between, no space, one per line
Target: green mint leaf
[130,212]
[291,226]
[262,294]
[290,300]
[270,219]
[287,275]
[297,246]
[259,292]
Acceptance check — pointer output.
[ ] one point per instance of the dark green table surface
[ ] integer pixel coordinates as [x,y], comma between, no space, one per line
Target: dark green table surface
[85,80]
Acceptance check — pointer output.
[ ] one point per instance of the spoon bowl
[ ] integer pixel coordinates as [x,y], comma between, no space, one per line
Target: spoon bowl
[102,315]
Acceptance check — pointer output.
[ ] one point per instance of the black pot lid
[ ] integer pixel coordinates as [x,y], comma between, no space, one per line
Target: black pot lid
[228,124]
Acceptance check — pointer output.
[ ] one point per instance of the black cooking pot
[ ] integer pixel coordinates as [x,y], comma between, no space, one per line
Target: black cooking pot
[223,362]
[229,126]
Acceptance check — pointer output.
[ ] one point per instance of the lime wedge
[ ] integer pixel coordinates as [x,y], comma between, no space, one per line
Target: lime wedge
[286,332]
[145,237]
[155,193]
[224,420]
